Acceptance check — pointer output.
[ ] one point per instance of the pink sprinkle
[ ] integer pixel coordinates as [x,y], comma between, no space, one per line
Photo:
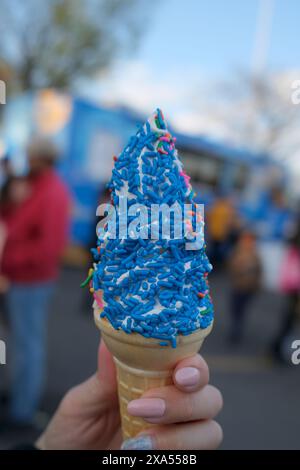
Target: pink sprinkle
[98,300]
[160,150]
[186,178]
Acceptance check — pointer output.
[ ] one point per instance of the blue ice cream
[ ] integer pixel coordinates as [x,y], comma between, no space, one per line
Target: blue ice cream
[146,282]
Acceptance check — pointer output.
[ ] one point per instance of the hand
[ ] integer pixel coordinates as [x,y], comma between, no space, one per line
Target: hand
[88,417]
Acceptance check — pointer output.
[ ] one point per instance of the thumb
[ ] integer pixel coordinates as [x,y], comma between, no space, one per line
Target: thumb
[98,391]
[106,368]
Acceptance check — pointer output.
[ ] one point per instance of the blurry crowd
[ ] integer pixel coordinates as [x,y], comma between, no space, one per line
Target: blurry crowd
[233,249]
[34,229]
[34,225]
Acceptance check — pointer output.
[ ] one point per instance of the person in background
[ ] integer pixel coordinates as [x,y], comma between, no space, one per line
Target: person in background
[6,174]
[222,224]
[36,235]
[280,216]
[3,280]
[290,286]
[245,271]
[14,192]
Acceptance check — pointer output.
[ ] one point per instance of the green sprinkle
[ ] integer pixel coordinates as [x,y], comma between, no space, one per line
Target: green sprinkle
[88,279]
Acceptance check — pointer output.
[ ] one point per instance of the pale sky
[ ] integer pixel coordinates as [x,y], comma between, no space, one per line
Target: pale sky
[192,47]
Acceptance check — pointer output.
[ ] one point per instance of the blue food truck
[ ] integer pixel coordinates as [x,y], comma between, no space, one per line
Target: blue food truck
[88,136]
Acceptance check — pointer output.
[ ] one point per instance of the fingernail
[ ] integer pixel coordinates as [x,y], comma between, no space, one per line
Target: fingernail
[147,407]
[139,443]
[187,376]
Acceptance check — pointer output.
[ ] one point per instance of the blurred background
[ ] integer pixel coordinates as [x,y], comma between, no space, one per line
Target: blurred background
[79,77]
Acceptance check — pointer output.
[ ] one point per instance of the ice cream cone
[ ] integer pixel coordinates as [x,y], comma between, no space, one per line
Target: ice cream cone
[142,363]
[150,283]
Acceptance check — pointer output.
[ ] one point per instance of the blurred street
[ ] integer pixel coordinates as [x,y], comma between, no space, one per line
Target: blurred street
[261,408]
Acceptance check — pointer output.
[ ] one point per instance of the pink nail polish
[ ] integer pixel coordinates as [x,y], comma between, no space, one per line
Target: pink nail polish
[147,407]
[187,377]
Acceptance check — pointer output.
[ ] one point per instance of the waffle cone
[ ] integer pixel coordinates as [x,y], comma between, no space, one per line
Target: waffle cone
[143,364]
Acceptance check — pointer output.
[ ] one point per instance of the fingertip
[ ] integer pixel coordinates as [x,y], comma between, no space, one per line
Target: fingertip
[187,377]
[191,374]
[217,400]
[104,354]
[217,434]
